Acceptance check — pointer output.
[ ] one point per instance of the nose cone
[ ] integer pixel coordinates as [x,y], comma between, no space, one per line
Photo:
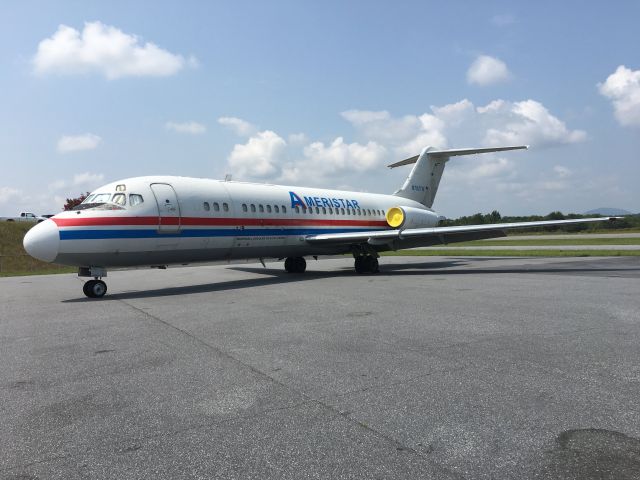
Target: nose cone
[43,241]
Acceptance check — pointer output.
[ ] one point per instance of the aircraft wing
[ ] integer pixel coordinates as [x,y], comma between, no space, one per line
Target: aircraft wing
[437,235]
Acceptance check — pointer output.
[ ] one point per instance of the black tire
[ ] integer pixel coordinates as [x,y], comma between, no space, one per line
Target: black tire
[359,265]
[371,264]
[86,288]
[95,289]
[300,265]
[288,265]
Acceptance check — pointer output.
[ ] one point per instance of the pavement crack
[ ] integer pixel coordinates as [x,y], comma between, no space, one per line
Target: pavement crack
[335,411]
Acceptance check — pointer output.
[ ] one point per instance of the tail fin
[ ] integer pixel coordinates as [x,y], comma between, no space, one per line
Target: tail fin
[422,183]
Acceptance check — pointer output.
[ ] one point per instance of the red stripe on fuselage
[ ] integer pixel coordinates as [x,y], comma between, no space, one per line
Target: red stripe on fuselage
[199,221]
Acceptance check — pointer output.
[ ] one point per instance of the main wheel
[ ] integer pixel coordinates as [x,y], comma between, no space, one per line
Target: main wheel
[371,264]
[95,288]
[288,265]
[300,265]
[360,265]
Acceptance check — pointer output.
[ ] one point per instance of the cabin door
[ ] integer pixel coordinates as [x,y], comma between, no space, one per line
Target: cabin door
[168,208]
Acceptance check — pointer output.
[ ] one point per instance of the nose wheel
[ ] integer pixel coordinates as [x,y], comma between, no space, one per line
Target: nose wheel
[94,288]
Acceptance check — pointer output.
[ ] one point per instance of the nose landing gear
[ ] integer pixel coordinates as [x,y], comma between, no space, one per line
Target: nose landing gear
[94,288]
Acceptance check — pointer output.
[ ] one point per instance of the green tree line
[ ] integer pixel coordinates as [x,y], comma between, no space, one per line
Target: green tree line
[629,221]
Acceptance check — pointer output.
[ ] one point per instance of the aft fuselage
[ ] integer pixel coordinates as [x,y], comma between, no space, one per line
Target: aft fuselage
[174,220]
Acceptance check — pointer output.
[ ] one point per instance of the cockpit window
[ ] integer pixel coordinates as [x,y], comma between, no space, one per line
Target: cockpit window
[88,199]
[135,199]
[119,199]
[101,198]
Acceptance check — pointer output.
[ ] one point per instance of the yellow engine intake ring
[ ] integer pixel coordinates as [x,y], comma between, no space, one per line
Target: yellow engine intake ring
[395,217]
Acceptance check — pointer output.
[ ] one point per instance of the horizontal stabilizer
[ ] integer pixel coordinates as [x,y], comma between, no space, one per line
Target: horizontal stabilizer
[456,152]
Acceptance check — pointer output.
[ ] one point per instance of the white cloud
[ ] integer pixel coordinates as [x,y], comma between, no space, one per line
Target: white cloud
[502,20]
[87,179]
[104,49]
[623,88]
[486,70]
[454,113]
[403,134]
[241,127]
[193,128]
[526,122]
[341,156]
[363,117]
[258,158]
[8,194]
[498,123]
[473,169]
[562,171]
[298,139]
[75,143]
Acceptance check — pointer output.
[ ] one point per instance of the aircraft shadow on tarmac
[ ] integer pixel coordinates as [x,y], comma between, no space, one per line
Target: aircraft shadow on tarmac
[274,276]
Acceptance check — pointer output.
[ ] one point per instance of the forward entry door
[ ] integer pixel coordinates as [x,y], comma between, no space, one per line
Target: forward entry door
[168,208]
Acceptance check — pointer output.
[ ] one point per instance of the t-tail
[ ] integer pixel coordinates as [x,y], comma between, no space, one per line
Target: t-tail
[422,183]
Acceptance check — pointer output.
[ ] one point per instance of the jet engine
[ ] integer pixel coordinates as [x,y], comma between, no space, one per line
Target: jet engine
[410,217]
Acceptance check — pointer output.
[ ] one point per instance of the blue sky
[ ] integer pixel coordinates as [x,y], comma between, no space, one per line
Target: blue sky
[323,94]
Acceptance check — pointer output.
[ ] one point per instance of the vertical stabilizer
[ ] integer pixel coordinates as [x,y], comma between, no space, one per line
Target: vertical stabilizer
[422,183]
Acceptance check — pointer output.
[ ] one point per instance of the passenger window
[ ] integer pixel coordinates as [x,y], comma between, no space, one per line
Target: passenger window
[206,206]
[342,211]
[317,210]
[330,210]
[216,207]
[275,208]
[284,209]
[244,207]
[304,209]
[261,208]
[119,199]
[225,207]
[135,199]
[253,208]
[310,210]
[269,208]
[324,210]
[297,209]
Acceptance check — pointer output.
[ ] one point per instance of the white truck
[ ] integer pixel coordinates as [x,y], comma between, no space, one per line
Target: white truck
[24,217]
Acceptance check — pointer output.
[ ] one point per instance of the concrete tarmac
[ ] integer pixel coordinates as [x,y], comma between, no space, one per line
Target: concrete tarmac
[438,367]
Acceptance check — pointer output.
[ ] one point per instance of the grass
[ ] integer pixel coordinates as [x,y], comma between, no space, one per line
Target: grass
[14,260]
[452,252]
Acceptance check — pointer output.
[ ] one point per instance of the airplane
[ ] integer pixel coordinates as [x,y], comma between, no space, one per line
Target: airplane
[157,221]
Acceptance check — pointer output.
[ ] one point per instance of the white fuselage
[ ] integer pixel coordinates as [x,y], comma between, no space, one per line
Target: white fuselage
[184,220]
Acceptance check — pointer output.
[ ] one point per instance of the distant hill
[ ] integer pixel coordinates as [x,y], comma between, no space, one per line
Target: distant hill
[608,212]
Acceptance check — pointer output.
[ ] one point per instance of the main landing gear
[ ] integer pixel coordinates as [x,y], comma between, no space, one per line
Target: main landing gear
[366,264]
[295,265]
[95,288]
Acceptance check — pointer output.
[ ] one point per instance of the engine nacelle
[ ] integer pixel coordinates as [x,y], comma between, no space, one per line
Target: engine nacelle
[409,217]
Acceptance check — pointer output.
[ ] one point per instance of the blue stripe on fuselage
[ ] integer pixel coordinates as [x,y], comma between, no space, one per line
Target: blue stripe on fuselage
[217,232]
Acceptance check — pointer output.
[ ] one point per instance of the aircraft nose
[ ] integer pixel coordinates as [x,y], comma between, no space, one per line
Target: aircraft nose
[43,241]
